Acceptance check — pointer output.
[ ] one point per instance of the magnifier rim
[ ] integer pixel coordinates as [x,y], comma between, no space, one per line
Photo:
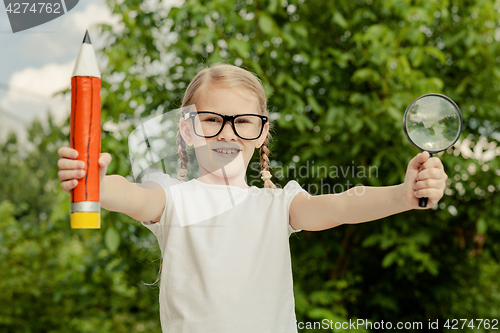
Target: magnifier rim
[449,100]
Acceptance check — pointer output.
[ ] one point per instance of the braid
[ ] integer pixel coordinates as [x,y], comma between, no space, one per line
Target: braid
[264,164]
[181,148]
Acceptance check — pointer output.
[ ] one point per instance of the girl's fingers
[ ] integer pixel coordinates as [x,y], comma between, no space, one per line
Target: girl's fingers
[65,175]
[67,164]
[68,159]
[433,162]
[105,159]
[68,185]
[429,183]
[71,169]
[432,193]
[67,152]
[431,173]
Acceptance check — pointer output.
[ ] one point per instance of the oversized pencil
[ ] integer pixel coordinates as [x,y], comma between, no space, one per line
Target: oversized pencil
[85,136]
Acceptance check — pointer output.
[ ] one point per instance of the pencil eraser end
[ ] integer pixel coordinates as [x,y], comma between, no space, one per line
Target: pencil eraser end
[83,220]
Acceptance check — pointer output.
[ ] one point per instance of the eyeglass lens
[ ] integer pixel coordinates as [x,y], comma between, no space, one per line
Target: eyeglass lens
[247,127]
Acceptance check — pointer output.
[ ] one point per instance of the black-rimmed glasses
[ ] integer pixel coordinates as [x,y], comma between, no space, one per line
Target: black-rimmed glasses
[209,124]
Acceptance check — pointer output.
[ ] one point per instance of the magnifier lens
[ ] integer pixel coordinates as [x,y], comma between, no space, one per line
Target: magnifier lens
[433,123]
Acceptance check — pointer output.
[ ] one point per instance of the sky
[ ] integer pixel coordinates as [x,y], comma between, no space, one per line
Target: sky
[39,61]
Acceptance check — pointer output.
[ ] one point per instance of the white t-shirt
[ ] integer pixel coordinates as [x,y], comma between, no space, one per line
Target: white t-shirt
[226,258]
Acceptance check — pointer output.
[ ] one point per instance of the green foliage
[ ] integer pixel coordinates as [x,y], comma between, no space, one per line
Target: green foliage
[57,279]
[339,75]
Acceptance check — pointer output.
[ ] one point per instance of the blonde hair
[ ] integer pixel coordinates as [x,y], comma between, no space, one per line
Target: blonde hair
[227,76]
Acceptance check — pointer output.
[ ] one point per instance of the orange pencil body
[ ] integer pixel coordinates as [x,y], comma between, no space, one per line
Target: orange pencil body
[85,137]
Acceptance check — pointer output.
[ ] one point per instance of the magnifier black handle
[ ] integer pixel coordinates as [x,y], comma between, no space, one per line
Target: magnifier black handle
[422,202]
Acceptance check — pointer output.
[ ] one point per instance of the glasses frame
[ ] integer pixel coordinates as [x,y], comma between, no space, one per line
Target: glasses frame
[230,119]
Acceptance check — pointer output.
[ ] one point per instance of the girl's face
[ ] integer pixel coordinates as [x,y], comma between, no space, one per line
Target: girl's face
[225,151]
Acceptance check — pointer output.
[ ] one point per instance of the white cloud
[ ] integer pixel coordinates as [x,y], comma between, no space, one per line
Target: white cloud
[91,15]
[29,95]
[46,80]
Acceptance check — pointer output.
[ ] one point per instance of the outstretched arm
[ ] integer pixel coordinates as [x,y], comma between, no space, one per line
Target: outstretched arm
[142,202]
[425,177]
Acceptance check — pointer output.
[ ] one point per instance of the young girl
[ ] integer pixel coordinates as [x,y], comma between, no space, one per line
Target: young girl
[225,250]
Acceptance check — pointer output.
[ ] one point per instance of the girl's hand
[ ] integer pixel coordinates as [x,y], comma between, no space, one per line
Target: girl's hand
[425,178]
[71,169]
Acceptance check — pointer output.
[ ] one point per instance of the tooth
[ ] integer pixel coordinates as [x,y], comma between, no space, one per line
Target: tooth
[227,151]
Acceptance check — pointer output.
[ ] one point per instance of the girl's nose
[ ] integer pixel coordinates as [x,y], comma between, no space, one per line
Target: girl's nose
[227,132]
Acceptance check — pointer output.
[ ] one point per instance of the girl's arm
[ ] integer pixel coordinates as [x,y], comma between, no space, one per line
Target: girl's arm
[425,177]
[142,202]
[356,205]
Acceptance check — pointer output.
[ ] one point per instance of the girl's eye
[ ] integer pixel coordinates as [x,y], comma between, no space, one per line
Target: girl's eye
[241,121]
[212,120]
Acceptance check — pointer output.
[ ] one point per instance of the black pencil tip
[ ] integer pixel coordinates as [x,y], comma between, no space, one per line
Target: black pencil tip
[86,39]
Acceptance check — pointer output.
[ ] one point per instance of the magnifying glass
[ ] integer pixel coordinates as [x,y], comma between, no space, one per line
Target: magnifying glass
[432,123]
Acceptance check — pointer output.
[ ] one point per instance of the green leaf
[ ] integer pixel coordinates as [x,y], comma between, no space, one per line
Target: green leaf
[460,89]
[370,241]
[354,124]
[394,113]
[438,54]
[403,60]
[295,85]
[389,259]
[266,24]
[339,19]
[112,239]
[239,46]
[436,82]
[301,30]
[315,63]
[320,313]
[314,104]
[481,226]
[280,78]
[417,56]
[365,75]
[273,5]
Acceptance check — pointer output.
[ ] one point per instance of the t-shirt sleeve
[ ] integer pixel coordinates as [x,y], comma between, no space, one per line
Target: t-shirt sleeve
[291,189]
[165,181]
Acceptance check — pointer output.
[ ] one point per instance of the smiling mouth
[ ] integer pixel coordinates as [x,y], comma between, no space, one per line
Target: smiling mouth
[227,151]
